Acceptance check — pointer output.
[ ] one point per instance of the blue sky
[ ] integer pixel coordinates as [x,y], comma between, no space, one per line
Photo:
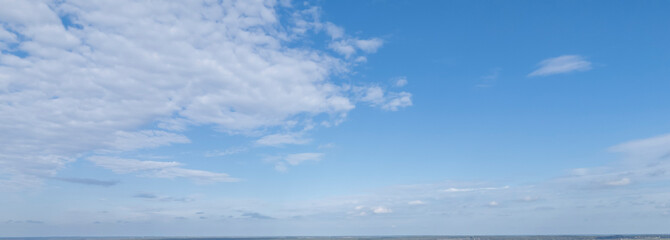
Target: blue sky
[334,118]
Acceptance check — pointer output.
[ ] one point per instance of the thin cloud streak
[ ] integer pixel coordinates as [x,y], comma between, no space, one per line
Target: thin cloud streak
[158,169]
[86,181]
[561,64]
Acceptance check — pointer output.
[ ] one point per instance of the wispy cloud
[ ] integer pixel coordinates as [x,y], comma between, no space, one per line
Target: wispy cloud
[648,148]
[152,196]
[297,158]
[126,141]
[122,165]
[145,195]
[452,189]
[362,211]
[643,161]
[350,46]
[159,169]
[381,210]
[490,79]
[561,64]
[86,181]
[227,152]
[620,182]
[282,139]
[256,215]
[22,222]
[416,202]
[282,162]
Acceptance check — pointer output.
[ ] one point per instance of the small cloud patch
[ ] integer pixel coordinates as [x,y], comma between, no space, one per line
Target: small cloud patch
[561,64]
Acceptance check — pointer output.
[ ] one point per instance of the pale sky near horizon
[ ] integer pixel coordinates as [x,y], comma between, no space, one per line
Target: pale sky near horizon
[265,118]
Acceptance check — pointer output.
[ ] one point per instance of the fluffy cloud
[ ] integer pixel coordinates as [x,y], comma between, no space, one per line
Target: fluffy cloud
[401,82]
[349,47]
[81,76]
[334,31]
[561,64]
[281,139]
[391,101]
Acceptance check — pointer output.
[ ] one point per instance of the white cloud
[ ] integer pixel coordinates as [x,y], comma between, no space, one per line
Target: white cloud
[197,175]
[7,36]
[334,31]
[490,79]
[155,197]
[643,160]
[459,190]
[649,148]
[158,169]
[369,45]
[473,189]
[281,139]
[391,102]
[493,204]
[343,47]
[126,141]
[374,95]
[361,59]
[297,158]
[620,182]
[579,171]
[401,81]
[561,64]
[120,165]
[398,100]
[283,162]
[96,84]
[381,210]
[349,46]
[226,152]
[416,202]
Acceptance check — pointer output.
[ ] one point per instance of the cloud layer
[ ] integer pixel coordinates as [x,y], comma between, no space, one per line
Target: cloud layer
[80,76]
